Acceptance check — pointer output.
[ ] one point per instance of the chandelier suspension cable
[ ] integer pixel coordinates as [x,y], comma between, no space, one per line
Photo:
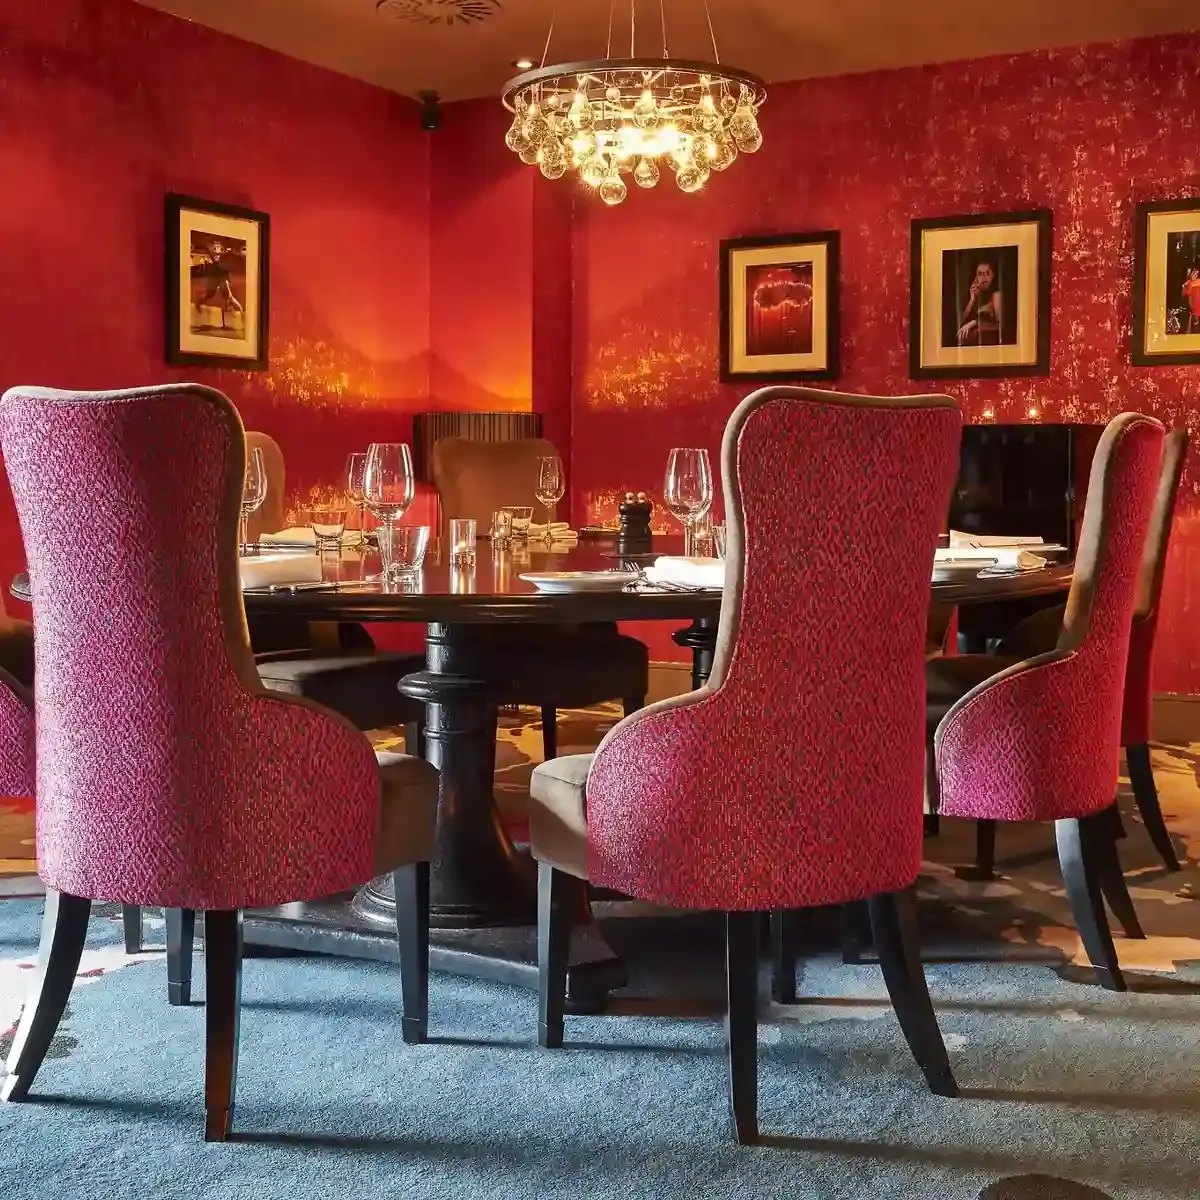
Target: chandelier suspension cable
[633,28]
[662,12]
[712,34]
[612,4]
[549,35]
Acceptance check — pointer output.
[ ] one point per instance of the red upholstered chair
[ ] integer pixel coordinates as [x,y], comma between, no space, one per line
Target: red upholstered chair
[16,738]
[1039,740]
[166,773]
[794,778]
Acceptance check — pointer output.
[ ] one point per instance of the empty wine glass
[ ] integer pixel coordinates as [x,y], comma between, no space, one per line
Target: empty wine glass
[388,481]
[356,466]
[254,492]
[687,491]
[550,487]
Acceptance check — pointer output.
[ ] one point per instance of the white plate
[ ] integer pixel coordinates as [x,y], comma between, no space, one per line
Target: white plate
[559,582]
[947,572]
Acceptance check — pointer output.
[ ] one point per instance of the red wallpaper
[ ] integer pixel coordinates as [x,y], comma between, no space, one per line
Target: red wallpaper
[1086,132]
[104,107]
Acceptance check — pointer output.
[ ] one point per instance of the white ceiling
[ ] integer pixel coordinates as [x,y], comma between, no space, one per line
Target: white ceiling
[465,48]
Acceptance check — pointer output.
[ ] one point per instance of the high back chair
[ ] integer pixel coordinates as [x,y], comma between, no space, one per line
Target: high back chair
[166,774]
[795,777]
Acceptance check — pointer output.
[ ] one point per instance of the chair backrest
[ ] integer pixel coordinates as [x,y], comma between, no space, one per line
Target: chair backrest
[796,776]
[162,767]
[16,738]
[271,517]
[474,479]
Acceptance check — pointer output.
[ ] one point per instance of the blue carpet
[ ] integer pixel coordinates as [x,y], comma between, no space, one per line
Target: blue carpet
[1072,1093]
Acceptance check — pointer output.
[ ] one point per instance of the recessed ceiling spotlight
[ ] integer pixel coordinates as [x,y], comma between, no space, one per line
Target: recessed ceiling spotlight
[523,64]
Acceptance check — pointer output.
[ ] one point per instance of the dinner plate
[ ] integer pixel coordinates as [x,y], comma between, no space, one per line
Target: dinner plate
[559,582]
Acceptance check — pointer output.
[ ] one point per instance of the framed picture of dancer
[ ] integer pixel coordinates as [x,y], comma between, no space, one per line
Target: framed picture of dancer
[1166,287]
[980,295]
[779,307]
[217,284]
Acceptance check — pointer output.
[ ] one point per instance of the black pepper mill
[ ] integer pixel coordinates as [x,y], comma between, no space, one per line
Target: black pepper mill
[634,536]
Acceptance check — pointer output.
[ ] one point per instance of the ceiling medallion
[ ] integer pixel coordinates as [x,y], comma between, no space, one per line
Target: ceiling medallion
[611,118]
[438,12]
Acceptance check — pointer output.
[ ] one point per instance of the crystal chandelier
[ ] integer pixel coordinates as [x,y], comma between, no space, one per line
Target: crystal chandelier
[616,118]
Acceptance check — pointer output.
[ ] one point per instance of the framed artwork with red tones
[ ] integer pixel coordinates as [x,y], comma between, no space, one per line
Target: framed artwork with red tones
[217,284]
[1166,288]
[980,302]
[779,307]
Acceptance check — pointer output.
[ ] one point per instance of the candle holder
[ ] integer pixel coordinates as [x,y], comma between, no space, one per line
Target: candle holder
[462,543]
[502,530]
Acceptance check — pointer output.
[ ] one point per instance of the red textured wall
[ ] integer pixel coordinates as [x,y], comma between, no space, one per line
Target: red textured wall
[1085,132]
[104,107]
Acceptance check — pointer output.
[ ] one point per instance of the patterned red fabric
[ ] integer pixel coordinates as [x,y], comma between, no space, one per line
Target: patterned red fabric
[798,779]
[1135,714]
[1042,742]
[164,774]
[16,738]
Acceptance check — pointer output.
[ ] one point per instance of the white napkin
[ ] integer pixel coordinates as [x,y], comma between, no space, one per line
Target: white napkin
[1005,558]
[560,531]
[297,536]
[981,540]
[262,570]
[688,572]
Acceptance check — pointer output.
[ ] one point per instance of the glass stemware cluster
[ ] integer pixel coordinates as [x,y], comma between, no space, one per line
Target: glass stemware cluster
[389,484]
[688,491]
[607,124]
[254,492]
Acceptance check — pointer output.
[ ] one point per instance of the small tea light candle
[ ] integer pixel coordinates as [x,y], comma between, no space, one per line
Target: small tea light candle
[462,542]
[502,529]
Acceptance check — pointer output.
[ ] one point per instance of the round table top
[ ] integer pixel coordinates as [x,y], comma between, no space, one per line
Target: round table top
[494,591]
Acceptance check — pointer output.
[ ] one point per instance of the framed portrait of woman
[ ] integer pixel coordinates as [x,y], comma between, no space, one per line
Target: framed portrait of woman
[779,307]
[1166,287]
[980,302]
[217,284]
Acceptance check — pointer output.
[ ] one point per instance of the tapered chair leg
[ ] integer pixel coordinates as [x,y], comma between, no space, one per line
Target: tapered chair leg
[856,931]
[741,1021]
[414,739]
[559,898]
[784,937]
[131,922]
[985,849]
[181,936]
[1077,860]
[412,933]
[549,733]
[64,928]
[1146,794]
[223,992]
[894,923]
[1111,874]
[632,704]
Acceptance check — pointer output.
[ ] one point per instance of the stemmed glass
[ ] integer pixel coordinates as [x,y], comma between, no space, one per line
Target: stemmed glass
[687,491]
[356,466]
[388,482]
[254,492]
[550,487]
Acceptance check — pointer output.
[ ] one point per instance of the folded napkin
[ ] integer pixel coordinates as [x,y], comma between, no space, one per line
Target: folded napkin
[560,531]
[688,572]
[262,570]
[1004,558]
[981,540]
[298,536]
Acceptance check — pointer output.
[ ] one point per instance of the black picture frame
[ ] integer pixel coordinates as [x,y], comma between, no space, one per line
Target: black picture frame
[1043,218]
[176,206]
[830,352]
[1141,355]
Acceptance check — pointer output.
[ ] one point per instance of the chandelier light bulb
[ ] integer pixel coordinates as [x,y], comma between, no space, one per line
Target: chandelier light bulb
[613,190]
[646,174]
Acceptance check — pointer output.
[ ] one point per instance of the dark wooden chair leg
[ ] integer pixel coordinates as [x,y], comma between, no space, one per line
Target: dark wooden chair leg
[632,704]
[932,825]
[1146,794]
[894,922]
[131,922]
[856,931]
[64,928]
[784,938]
[412,933]
[549,733]
[223,989]
[414,739]
[1077,859]
[181,935]
[1112,875]
[741,1021]
[985,849]
[558,902]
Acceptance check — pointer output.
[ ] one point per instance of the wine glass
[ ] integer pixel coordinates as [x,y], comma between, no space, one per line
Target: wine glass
[254,492]
[550,487]
[687,491]
[356,466]
[388,481]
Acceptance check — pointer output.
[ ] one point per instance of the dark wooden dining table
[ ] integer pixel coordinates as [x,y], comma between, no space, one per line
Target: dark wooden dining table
[483,888]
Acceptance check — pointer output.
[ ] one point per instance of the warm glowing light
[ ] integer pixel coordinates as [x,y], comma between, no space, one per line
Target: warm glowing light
[523,64]
[1033,413]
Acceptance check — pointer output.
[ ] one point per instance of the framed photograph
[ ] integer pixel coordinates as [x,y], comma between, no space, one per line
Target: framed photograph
[779,307]
[217,284]
[1166,285]
[980,303]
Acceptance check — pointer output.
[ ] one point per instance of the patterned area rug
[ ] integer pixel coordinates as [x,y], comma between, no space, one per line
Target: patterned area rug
[1070,1092]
